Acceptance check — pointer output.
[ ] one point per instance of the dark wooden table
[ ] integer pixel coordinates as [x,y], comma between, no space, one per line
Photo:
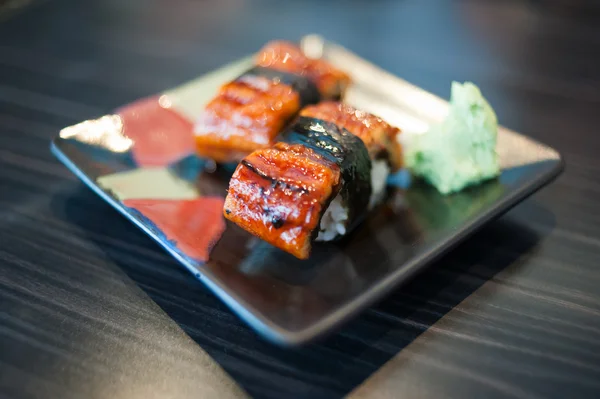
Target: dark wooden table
[92,308]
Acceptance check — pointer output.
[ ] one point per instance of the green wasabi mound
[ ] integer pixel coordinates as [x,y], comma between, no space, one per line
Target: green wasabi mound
[461,151]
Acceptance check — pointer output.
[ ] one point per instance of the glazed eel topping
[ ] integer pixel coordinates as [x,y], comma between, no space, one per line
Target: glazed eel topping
[249,112]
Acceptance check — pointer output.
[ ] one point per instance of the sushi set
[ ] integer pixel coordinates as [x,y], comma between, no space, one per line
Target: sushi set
[302,183]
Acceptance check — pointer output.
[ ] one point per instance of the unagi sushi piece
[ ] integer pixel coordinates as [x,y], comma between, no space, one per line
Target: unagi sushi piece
[318,183]
[249,112]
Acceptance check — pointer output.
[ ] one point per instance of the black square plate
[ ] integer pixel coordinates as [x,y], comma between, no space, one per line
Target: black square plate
[289,301]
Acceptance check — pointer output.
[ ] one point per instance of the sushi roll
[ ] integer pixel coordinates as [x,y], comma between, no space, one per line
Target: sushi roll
[318,182]
[250,111]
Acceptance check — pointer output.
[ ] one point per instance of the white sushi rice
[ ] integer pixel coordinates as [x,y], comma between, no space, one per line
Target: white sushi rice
[333,222]
[380,171]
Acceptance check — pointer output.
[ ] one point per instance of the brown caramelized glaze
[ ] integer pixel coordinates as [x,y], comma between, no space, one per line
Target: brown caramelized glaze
[288,57]
[379,137]
[245,115]
[280,193]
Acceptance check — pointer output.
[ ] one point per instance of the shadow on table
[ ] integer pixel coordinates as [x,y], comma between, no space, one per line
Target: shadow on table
[334,365]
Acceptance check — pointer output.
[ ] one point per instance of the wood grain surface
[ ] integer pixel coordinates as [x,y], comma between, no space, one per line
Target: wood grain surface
[90,307]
